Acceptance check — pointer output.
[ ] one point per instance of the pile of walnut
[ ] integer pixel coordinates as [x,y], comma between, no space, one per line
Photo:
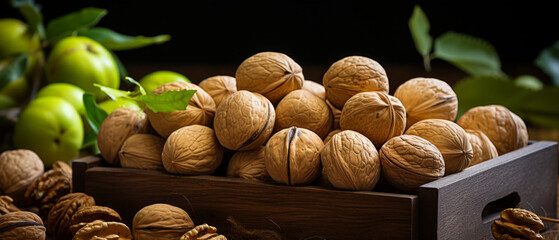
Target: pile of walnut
[344,133]
[517,223]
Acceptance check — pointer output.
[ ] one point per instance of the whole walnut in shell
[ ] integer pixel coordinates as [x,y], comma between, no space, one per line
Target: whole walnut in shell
[409,161]
[352,75]
[271,74]
[305,110]
[376,115]
[22,225]
[45,191]
[248,165]
[449,138]
[505,129]
[315,88]
[219,87]
[60,216]
[200,110]
[351,161]
[142,151]
[426,98]
[101,230]
[337,113]
[482,146]
[18,169]
[116,128]
[161,221]
[244,121]
[292,156]
[192,150]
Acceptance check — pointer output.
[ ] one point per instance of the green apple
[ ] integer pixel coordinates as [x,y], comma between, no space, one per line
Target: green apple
[82,62]
[70,92]
[110,105]
[16,37]
[13,93]
[155,79]
[51,127]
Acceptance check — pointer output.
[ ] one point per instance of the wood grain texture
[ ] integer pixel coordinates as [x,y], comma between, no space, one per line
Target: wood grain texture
[451,207]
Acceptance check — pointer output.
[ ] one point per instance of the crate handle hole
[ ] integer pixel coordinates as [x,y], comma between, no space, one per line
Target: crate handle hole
[492,210]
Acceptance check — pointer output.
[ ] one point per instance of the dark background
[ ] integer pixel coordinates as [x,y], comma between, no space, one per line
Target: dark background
[314,33]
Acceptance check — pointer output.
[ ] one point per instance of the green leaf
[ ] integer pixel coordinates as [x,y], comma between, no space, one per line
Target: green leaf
[14,71]
[112,92]
[473,55]
[70,23]
[529,82]
[32,14]
[138,85]
[487,90]
[419,29]
[89,138]
[121,69]
[548,61]
[116,41]
[168,101]
[541,107]
[94,114]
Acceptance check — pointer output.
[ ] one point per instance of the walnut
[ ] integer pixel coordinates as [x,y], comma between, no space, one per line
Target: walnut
[337,114]
[142,151]
[481,145]
[7,205]
[64,166]
[46,190]
[100,230]
[351,161]
[248,165]
[305,110]
[18,169]
[449,138]
[116,128]
[315,88]
[376,115]
[58,221]
[409,161]
[352,75]
[200,110]
[517,223]
[21,225]
[244,121]
[505,129]
[219,87]
[426,98]
[192,150]
[292,156]
[271,74]
[332,133]
[161,221]
[90,214]
[203,232]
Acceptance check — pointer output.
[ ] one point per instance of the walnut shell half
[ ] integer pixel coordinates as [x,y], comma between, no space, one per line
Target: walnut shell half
[60,216]
[89,214]
[351,161]
[292,156]
[244,121]
[505,129]
[22,225]
[101,230]
[161,221]
[18,169]
[271,74]
[352,75]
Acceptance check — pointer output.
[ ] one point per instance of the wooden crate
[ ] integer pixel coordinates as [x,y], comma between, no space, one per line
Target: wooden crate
[458,206]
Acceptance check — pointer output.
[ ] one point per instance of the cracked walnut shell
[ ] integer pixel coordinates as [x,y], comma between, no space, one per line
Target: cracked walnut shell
[305,110]
[271,74]
[161,221]
[203,232]
[142,151]
[21,225]
[517,223]
[376,115]
[101,230]
[244,121]
[351,161]
[116,128]
[18,169]
[481,145]
[248,165]
[219,87]
[352,75]
[200,110]
[449,138]
[59,218]
[427,98]
[192,150]
[46,190]
[90,214]
[505,129]
[409,161]
[292,156]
